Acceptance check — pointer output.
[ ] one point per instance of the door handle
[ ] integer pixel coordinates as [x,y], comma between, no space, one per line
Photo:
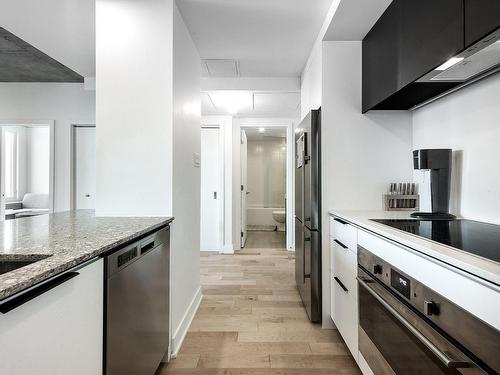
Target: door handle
[340,221]
[215,195]
[304,274]
[341,284]
[340,244]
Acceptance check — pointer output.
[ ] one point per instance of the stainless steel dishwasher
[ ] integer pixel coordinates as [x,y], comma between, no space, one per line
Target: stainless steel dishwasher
[137,306]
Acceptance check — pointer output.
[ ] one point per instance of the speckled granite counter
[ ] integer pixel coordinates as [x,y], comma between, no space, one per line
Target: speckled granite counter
[481,267]
[61,241]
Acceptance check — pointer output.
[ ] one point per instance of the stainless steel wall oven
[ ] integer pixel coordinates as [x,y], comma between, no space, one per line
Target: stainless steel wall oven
[406,328]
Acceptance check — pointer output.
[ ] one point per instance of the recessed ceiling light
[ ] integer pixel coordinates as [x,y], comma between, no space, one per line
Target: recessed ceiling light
[262,130]
[450,63]
[231,101]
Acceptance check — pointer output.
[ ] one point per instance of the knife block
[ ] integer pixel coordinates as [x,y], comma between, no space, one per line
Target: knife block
[399,202]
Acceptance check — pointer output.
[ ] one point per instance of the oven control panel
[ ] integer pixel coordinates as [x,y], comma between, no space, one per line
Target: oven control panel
[401,283]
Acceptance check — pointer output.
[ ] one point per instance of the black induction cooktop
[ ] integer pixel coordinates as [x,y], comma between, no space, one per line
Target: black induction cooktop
[474,237]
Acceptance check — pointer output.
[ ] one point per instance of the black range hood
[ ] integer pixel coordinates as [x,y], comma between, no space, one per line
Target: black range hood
[421,50]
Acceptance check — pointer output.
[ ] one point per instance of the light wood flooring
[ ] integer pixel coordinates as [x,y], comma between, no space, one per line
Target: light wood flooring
[251,322]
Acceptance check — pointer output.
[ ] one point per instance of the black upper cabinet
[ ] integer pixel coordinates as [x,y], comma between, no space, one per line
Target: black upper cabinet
[380,59]
[431,31]
[409,40]
[481,18]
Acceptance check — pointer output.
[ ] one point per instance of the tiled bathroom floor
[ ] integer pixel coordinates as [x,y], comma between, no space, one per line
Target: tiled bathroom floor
[266,240]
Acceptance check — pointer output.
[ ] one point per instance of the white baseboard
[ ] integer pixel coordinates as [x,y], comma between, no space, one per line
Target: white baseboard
[180,333]
[228,249]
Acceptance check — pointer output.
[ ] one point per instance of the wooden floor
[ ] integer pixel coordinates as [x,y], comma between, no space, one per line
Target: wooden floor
[251,321]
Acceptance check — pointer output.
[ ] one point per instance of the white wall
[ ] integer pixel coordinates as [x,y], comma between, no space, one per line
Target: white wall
[63,103]
[134,47]
[225,124]
[467,122]
[186,176]
[38,159]
[361,153]
[311,81]
[266,171]
[148,86]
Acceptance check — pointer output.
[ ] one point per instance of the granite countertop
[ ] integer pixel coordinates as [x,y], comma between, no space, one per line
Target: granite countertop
[481,267]
[61,241]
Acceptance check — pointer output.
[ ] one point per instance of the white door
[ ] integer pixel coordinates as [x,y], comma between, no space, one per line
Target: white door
[243,156]
[210,216]
[85,168]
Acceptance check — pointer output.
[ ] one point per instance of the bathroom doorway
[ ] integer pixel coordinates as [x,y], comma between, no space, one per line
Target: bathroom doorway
[264,187]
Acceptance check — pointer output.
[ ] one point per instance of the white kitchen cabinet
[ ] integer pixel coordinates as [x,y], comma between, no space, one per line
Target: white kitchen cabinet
[343,287]
[60,331]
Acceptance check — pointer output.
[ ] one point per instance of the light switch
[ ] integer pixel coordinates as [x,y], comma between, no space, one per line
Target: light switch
[196,160]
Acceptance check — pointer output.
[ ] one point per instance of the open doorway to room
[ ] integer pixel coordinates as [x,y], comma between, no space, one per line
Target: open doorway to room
[26,170]
[263,187]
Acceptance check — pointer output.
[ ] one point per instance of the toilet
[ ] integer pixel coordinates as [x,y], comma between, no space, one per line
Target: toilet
[280,218]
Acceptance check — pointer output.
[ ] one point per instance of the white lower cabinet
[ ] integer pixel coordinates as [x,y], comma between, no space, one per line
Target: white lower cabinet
[60,331]
[344,290]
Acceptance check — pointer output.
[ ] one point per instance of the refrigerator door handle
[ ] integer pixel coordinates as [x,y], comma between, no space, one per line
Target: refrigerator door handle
[306,276]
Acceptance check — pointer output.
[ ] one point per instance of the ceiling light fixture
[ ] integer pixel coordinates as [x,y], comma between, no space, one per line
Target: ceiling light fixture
[449,63]
[231,101]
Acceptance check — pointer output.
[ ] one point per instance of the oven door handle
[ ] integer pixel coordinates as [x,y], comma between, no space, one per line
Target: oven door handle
[447,361]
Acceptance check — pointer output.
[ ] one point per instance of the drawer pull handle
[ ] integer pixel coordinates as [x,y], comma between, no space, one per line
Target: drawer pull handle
[340,244]
[340,283]
[340,221]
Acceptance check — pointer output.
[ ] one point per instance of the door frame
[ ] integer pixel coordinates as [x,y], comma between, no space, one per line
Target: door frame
[72,188]
[52,162]
[244,190]
[289,125]
[220,185]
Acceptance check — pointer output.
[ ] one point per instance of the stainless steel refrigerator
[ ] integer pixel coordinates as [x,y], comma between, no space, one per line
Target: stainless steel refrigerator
[308,213]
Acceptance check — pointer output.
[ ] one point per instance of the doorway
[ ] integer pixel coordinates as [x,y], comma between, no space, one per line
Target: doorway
[264,187]
[26,169]
[211,190]
[84,167]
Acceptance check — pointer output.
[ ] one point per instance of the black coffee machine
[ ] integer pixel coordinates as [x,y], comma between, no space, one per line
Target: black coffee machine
[438,163]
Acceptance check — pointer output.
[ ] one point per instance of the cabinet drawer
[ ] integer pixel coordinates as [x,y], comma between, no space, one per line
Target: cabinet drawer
[51,333]
[345,315]
[343,265]
[344,233]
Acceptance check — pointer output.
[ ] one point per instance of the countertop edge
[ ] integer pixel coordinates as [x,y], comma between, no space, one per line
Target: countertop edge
[13,290]
[477,267]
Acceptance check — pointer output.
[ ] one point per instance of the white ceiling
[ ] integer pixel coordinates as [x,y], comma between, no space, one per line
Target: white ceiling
[64,30]
[354,18]
[268,38]
[251,103]
[263,134]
